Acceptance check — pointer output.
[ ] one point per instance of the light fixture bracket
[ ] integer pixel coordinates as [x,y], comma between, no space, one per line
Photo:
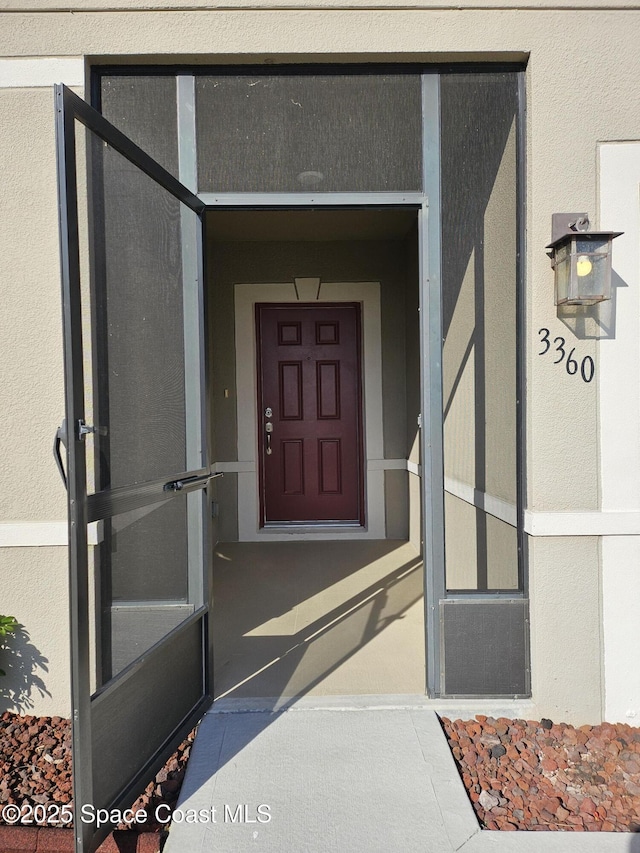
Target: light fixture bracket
[564,223]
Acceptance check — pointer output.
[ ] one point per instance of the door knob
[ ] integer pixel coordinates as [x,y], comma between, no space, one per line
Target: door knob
[268,429]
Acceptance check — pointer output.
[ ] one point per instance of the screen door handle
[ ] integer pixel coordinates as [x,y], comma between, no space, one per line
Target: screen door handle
[60,438]
[190,484]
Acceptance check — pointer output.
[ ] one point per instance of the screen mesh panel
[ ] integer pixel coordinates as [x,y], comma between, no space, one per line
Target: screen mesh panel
[139,348]
[301,133]
[145,109]
[149,552]
[144,580]
[479,287]
[132,351]
[128,723]
[485,648]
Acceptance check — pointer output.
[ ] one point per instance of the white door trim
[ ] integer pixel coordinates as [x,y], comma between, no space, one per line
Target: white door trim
[308,290]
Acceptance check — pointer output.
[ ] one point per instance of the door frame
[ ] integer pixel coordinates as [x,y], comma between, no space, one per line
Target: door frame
[308,289]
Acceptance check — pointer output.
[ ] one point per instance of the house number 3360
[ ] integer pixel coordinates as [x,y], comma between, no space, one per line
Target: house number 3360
[586,366]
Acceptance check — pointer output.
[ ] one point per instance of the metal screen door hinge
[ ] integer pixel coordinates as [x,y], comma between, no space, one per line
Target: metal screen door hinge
[86,429]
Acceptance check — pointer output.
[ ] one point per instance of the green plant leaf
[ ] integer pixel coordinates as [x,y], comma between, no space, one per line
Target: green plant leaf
[8,625]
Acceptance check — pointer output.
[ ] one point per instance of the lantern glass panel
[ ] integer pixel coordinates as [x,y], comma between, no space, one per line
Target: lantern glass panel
[563,274]
[591,278]
[582,245]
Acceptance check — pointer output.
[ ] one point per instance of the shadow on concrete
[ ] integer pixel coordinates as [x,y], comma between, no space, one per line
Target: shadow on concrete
[255,660]
[259,650]
[21,661]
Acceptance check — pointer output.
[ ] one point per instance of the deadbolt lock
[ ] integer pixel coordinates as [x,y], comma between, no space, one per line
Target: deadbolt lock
[268,412]
[268,428]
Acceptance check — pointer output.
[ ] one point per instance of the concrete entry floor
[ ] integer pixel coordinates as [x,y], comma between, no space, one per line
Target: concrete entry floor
[336,775]
[318,618]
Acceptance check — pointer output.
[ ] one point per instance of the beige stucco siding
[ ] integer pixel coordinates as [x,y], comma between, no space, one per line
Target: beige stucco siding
[31,383]
[566,643]
[34,590]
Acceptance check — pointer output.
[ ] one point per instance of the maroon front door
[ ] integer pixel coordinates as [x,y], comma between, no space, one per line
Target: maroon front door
[309,413]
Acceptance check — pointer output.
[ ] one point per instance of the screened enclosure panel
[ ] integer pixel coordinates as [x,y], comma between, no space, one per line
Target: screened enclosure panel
[485,645]
[142,367]
[145,109]
[309,132]
[141,356]
[144,562]
[479,360]
[128,724]
[148,546]
[133,325]
[482,558]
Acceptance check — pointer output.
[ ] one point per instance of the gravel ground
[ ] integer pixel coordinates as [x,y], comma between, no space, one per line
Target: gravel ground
[35,764]
[540,775]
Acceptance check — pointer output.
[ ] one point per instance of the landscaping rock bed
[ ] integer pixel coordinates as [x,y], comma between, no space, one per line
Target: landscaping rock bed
[545,776]
[530,775]
[35,769]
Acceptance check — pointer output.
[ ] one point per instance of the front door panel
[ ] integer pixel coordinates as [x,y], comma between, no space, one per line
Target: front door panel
[309,413]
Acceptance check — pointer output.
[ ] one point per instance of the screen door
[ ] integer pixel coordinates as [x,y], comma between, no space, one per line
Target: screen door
[137,464]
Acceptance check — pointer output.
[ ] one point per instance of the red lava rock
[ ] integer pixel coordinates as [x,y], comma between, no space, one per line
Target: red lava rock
[551,776]
[588,806]
[35,769]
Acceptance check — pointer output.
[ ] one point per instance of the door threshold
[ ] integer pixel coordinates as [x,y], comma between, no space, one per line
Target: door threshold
[312,525]
[351,702]
[289,534]
[466,709]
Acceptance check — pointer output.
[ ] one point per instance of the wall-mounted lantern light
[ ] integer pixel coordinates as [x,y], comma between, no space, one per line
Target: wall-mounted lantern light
[581,260]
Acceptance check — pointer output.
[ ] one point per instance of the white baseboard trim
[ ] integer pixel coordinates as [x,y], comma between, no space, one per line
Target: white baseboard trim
[596,523]
[41,72]
[497,507]
[249,466]
[234,467]
[42,534]
[36,534]
[414,468]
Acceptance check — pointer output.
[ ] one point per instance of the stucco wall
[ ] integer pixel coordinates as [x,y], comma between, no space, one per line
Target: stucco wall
[568,52]
[566,635]
[34,590]
[34,580]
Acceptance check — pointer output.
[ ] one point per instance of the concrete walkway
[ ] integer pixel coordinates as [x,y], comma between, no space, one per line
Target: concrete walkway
[346,774]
